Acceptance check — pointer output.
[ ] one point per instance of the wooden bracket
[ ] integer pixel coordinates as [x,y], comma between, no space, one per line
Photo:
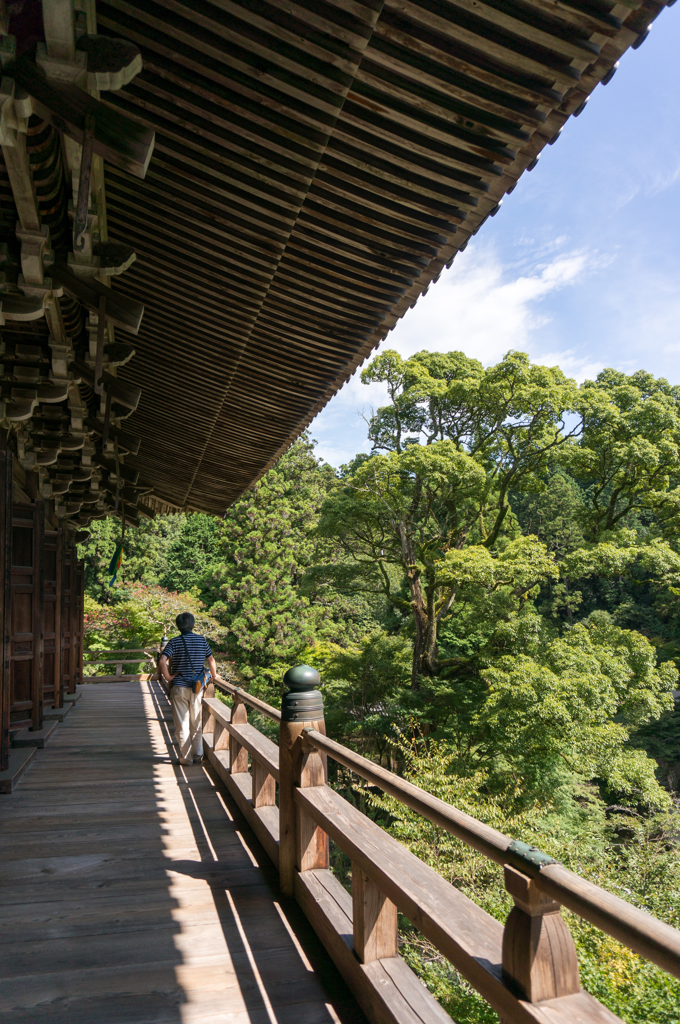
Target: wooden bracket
[539,958]
[80,226]
[238,755]
[121,311]
[117,138]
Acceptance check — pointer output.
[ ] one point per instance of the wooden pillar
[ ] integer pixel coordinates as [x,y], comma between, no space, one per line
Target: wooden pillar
[25,617]
[38,674]
[238,755]
[299,842]
[73,615]
[58,619]
[79,619]
[6,469]
[67,618]
[50,601]
[539,958]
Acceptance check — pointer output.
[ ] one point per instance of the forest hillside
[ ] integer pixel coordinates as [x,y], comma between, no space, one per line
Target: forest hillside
[491,597]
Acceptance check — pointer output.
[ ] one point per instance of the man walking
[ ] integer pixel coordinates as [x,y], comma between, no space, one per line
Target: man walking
[188,652]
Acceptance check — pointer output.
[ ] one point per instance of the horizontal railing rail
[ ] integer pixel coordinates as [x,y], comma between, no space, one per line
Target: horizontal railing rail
[527,971]
[641,932]
[115,654]
[252,702]
[128,656]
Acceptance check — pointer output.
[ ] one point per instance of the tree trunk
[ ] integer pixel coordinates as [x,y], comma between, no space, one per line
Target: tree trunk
[418,605]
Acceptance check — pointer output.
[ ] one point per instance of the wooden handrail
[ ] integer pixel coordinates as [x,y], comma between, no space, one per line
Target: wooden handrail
[467,936]
[129,650]
[487,840]
[117,661]
[644,934]
[527,971]
[246,698]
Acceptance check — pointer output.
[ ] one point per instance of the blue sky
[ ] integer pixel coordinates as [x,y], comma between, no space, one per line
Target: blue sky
[581,266]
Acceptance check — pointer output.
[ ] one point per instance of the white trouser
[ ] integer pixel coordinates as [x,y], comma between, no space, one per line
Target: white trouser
[186,711]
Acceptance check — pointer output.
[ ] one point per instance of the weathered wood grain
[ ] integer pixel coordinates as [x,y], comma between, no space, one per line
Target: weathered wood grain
[128,894]
[374,919]
[469,938]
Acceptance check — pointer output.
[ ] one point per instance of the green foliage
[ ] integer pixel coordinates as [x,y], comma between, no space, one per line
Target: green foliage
[644,870]
[497,580]
[173,551]
[574,704]
[142,616]
[266,545]
[192,553]
[365,691]
[630,450]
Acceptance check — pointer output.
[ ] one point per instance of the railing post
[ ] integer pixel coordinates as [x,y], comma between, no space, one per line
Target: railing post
[238,755]
[264,786]
[302,846]
[539,958]
[375,919]
[207,720]
[221,738]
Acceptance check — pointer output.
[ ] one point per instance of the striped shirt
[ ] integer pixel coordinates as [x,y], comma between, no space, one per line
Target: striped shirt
[186,668]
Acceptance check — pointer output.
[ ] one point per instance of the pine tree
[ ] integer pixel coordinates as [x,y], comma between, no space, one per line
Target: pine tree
[266,546]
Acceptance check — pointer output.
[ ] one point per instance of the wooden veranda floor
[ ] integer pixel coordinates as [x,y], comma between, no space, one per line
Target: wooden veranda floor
[133,892]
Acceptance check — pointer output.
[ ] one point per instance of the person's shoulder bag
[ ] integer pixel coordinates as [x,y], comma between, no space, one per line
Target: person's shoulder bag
[199,679]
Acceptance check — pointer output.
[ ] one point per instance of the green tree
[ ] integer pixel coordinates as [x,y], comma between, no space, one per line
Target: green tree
[192,552]
[511,418]
[365,690]
[629,453]
[144,553]
[266,545]
[485,434]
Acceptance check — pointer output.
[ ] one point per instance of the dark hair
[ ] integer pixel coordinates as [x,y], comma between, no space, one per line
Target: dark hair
[185,622]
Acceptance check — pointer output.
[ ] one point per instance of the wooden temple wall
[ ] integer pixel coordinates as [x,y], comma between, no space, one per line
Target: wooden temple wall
[41,602]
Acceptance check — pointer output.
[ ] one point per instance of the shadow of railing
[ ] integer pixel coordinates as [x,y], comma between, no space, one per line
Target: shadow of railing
[282,971]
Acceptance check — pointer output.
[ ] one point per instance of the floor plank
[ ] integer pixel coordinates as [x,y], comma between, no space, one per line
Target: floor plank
[132,891]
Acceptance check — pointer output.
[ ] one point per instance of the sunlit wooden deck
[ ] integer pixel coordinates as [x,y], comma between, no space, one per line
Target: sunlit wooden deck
[133,892]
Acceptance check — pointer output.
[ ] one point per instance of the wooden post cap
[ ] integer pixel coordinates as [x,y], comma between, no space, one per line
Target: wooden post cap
[302,702]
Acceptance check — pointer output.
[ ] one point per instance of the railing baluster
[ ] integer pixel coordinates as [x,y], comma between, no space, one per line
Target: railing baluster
[221,738]
[264,786]
[312,841]
[375,919]
[539,958]
[238,755]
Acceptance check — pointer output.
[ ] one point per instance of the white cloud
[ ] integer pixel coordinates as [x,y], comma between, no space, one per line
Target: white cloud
[480,307]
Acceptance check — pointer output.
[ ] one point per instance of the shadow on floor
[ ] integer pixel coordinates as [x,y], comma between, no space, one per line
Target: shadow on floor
[283,972]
